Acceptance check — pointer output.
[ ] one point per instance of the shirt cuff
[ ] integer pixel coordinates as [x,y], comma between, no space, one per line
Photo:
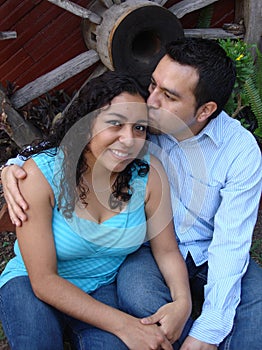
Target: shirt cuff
[15,161]
[212,326]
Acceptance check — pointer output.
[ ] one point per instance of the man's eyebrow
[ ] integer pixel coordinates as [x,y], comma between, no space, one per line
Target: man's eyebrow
[171,92]
[117,115]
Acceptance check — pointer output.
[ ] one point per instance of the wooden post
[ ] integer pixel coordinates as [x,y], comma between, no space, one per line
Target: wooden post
[251,12]
[17,128]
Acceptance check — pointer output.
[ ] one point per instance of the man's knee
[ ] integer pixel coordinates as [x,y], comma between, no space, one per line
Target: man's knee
[140,286]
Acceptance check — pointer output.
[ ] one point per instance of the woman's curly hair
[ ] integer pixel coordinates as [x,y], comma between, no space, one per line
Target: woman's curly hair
[95,94]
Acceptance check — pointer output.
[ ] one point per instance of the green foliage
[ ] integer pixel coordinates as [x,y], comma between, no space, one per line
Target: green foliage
[253,90]
[259,71]
[247,91]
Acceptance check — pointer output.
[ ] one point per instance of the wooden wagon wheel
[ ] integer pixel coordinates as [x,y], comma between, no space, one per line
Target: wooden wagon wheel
[125,35]
[132,35]
[110,40]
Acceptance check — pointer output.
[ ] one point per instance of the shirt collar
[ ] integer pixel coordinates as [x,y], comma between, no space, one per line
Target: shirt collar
[213,130]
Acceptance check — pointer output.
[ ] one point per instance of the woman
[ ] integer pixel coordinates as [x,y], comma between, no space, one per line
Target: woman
[94,194]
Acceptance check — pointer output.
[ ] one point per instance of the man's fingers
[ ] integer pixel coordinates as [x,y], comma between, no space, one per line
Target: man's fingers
[16,214]
[16,203]
[17,171]
[15,199]
[166,345]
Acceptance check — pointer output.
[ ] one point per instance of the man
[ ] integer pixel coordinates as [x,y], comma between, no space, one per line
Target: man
[214,169]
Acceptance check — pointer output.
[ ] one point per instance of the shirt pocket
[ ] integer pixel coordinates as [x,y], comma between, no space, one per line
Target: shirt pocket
[200,198]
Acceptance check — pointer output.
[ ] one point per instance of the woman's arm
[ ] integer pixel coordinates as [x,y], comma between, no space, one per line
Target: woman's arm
[173,316]
[37,246]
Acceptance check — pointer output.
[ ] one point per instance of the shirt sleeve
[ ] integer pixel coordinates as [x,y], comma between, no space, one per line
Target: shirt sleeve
[228,253]
[16,161]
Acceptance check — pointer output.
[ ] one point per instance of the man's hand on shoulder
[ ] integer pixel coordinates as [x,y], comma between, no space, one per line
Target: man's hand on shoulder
[16,204]
[194,344]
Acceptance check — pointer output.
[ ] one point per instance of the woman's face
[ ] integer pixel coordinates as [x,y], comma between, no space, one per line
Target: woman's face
[119,133]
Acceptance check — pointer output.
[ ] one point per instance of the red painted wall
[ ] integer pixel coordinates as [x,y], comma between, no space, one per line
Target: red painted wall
[48,36]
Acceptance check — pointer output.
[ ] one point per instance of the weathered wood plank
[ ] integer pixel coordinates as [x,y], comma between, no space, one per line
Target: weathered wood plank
[161,2]
[8,35]
[251,12]
[100,69]
[17,128]
[52,79]
[186,6]
[107,3]
[211,33]
[77,10]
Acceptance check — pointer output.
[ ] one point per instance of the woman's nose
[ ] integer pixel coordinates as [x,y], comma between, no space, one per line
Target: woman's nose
[127,136]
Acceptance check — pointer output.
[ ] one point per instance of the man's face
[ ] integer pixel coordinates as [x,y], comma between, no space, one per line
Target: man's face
[172,104]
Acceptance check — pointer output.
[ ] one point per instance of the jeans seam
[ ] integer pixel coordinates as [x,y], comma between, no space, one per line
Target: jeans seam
[80,345]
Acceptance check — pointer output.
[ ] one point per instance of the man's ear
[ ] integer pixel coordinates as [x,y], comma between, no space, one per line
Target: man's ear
[205,111]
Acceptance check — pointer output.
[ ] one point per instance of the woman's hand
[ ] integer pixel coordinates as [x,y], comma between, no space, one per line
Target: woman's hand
[15,201]
[138,336]
[171,318]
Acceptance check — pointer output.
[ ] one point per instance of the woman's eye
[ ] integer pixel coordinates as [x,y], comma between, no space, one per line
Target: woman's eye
[140,128]
[114,122]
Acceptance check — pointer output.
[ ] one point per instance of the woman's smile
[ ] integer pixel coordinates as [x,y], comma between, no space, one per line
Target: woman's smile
[120,154]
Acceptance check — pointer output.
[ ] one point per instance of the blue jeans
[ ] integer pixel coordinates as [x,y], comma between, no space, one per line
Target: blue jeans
[30,323]
[141,291]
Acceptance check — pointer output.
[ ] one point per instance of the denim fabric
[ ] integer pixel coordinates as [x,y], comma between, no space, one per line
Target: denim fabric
[30,323]
[141,291]
[141,288]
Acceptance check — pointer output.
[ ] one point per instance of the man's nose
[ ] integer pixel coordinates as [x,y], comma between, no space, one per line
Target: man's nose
[154,99]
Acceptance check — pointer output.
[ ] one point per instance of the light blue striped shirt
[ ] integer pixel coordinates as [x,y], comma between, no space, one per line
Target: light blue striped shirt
[215,180]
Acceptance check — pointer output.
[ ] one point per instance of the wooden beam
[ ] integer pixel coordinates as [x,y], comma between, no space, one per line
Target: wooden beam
[211,33]
[187,6]
[100,69]
[77,10]
[18,129]
[8,35]
[54,78]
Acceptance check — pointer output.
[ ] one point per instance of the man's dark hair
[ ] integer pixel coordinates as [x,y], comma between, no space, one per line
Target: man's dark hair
[216,70]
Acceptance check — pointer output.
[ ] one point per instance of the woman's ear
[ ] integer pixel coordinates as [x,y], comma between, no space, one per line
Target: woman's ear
[205,111]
